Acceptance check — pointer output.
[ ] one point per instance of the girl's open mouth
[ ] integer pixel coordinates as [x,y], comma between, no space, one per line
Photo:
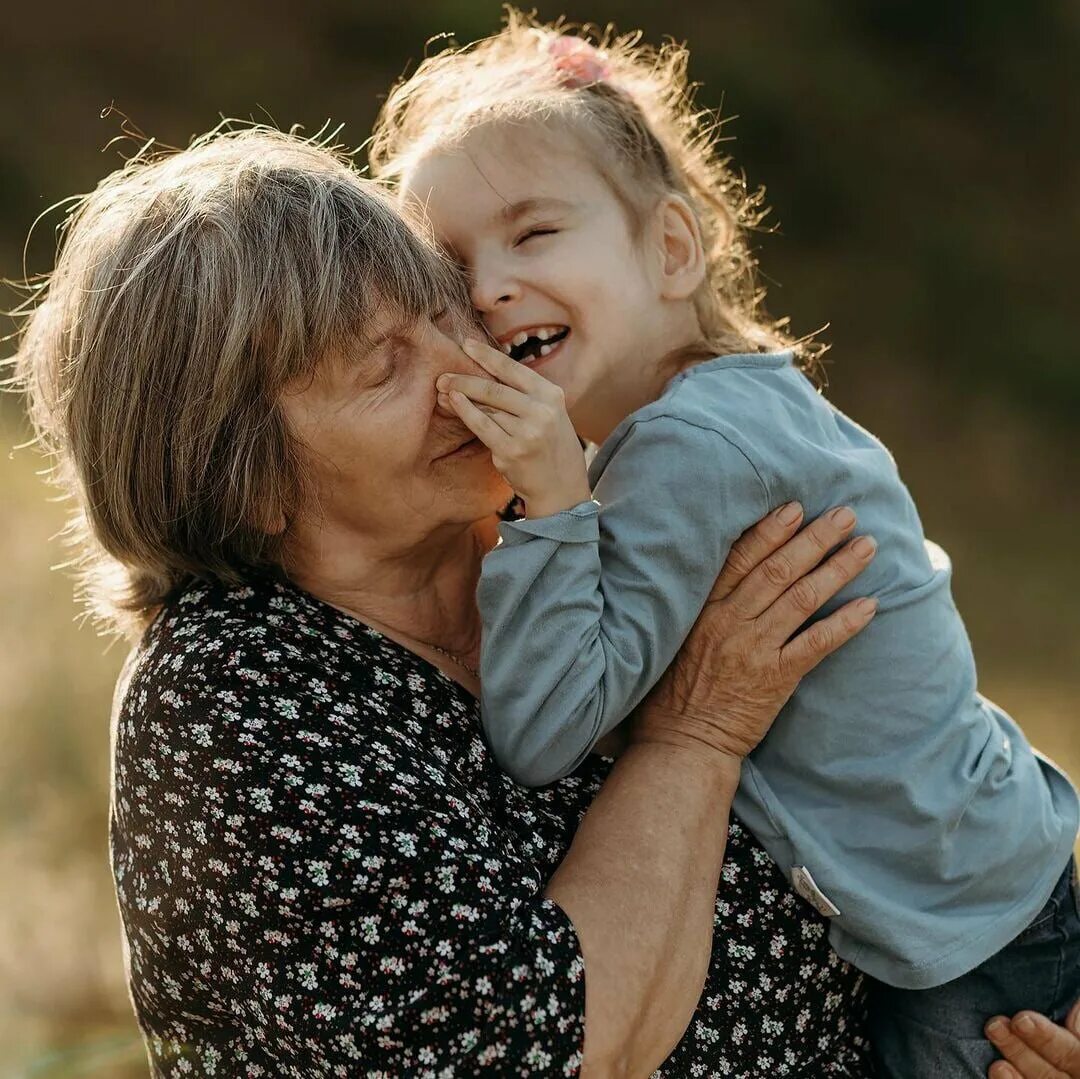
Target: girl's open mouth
[528,346]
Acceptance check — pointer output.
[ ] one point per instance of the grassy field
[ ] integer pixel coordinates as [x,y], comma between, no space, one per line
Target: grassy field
[992,489]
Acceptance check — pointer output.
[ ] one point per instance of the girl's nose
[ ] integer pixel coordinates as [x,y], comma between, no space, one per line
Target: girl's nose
[490,289]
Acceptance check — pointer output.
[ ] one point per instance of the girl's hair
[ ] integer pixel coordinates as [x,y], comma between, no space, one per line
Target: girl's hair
[632,108]
[190,289]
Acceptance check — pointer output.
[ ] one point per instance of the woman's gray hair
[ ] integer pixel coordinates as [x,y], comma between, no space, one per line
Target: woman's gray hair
[190,289]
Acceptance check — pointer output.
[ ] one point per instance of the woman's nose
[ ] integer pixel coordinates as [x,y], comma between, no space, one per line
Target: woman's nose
[449,358]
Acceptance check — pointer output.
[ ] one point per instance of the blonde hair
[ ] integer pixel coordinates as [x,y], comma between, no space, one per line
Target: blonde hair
[632,106]
[190,289]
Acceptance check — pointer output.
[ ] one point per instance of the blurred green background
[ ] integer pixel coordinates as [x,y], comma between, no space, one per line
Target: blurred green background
[923,162]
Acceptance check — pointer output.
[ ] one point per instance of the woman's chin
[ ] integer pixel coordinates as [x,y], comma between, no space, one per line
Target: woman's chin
[481,490]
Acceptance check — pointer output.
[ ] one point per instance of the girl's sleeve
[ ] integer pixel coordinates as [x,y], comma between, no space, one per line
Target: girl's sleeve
[584,611]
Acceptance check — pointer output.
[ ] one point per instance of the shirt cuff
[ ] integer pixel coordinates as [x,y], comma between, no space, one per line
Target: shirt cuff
[578,524]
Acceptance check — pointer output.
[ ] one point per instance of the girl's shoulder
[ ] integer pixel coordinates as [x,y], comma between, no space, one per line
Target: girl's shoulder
[729,392]
[714,407]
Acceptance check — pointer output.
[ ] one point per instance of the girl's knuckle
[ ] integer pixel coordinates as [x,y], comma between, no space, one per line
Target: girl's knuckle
[551,396]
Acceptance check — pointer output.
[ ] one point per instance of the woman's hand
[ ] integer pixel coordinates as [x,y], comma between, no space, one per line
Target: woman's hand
[1034,1047]
[740,663]
[521,417]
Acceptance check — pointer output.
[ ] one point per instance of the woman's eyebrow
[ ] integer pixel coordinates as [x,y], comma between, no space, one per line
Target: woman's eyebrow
[401,326]
[514,211]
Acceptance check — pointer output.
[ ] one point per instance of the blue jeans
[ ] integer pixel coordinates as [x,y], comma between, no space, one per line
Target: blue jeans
[938,1033]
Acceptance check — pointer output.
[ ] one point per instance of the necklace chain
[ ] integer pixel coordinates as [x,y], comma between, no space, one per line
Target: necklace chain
[452,656]
[457,659]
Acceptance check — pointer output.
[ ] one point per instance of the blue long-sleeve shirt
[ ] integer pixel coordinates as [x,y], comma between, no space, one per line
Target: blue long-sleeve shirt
[889,789]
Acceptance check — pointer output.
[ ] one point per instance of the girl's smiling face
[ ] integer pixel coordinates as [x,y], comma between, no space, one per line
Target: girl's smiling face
[555,271]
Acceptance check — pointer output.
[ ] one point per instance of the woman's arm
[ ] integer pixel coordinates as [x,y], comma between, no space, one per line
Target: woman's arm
[639,882]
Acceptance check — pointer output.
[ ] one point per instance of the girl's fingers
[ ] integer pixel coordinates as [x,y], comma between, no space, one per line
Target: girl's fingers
[503,419]
[754,546]
[810,592]
[483,391]
[480,423]
[1024,1059]
[780,570]
[804,652]
[497,363]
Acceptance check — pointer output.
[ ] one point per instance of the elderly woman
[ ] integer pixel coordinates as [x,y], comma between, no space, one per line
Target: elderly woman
[320,869]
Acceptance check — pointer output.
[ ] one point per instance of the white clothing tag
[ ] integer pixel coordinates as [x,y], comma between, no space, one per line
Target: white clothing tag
[807,887]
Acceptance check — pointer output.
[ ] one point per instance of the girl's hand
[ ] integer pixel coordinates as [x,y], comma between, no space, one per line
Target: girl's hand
[521,417]
[1034,1047]
[741,663]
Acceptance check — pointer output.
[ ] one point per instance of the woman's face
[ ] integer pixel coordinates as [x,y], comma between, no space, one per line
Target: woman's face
[390,467]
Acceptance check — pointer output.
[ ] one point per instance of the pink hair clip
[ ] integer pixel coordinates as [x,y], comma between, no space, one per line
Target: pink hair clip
[578,63]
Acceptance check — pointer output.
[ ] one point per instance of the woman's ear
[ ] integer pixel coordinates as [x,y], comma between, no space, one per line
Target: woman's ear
[275,524]
[682,253]
[270,517]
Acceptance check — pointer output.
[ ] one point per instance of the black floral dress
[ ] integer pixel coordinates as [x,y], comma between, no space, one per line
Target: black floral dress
[322,872]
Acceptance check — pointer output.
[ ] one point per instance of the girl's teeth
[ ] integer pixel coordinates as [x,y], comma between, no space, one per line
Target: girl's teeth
[543,334]
[520,338]
[545,349]
[507,348]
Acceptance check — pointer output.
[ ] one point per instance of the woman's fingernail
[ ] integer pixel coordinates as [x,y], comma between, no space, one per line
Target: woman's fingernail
[867,606]
[996,1027]
[1024,1024]
[442,383]
[789,514]
[864,546]
[842,517]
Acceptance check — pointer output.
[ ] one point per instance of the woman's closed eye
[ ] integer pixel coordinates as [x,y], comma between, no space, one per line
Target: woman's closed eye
[383,366]
[532,233]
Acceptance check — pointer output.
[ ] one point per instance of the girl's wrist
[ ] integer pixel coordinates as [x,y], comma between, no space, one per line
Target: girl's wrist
[555,502]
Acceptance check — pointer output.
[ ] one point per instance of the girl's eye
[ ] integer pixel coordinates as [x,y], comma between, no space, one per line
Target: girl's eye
[532,233]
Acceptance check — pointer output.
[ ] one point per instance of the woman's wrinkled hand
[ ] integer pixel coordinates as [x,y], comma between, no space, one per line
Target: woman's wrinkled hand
[1034,1047]
[741,664]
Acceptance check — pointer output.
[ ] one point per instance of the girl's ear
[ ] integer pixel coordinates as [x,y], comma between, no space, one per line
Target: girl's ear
[682,254]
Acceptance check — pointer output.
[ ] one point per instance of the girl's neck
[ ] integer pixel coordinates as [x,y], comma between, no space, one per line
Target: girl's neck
[644,381]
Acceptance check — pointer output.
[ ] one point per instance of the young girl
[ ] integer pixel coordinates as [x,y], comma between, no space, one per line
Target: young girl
[604,240]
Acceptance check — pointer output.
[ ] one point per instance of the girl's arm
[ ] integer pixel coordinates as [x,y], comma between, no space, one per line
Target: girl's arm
[583,610]
[640,880]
